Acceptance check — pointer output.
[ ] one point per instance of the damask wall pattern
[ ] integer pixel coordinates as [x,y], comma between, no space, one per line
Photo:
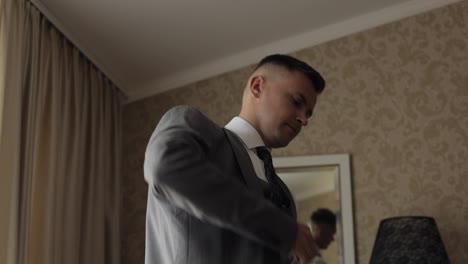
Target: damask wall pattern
[396,100]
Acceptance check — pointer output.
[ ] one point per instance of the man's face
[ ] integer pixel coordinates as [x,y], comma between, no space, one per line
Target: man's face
[285,104]
[324,235]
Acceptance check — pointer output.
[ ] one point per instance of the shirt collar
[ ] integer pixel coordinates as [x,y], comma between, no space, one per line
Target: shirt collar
[246,132]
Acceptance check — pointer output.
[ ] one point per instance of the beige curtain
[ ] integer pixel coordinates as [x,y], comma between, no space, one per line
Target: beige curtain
[65,154]
[9,134]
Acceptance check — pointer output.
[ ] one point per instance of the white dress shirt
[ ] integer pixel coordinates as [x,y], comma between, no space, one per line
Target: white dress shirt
[251,139]
[318,259]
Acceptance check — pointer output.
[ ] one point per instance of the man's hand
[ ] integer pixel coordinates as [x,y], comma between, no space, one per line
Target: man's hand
[304,248]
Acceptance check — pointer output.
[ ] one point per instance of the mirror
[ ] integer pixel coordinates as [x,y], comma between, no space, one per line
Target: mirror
[323,181]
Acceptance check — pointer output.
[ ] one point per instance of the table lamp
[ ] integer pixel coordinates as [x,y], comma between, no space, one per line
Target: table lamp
[407,240]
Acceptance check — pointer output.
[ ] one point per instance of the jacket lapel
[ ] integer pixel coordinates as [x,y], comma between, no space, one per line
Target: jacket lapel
[245,164]
[290,197]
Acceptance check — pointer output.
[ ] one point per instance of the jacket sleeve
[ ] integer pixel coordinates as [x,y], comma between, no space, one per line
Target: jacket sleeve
[177,167]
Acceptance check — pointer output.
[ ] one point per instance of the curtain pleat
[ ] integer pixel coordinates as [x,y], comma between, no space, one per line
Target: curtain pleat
[68,179]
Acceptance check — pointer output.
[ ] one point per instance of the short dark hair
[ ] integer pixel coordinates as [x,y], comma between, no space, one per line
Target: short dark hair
[323,216]
[293,64]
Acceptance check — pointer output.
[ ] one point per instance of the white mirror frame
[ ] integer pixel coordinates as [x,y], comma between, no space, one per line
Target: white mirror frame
[346,206]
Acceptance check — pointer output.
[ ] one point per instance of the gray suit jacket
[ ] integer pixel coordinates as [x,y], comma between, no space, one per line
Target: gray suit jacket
[205,203]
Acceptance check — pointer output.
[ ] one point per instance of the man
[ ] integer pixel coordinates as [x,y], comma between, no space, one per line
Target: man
[323,227]
[211,200]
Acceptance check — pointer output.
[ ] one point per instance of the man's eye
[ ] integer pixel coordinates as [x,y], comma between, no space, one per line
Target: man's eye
[296,102]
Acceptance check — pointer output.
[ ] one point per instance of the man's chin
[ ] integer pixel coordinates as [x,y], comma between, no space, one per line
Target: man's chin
[283,144]
[323,247]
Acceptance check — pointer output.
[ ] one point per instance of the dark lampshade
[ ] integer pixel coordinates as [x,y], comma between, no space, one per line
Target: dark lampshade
[406,240]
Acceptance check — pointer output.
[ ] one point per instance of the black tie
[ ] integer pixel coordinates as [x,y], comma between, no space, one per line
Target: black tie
[277,194]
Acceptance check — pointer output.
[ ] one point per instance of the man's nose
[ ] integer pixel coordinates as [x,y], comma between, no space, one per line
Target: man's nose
[302,118]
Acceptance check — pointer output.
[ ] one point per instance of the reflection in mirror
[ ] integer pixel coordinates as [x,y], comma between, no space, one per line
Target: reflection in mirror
[323,182]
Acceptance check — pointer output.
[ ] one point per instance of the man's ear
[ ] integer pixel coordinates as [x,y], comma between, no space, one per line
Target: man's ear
[256,85]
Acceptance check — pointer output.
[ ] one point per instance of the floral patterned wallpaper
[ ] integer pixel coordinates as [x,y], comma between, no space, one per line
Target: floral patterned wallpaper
[396,100]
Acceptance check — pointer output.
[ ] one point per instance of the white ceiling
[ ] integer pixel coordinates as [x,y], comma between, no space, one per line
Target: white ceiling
[150,46]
